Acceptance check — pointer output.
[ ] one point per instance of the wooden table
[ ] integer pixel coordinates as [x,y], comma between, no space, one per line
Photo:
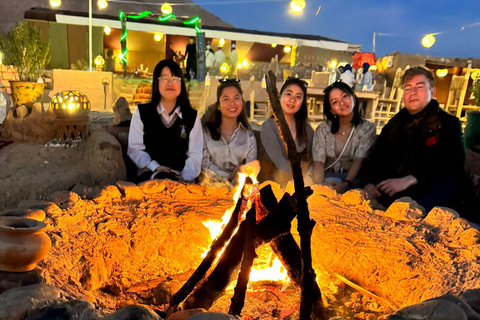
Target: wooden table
[371,97]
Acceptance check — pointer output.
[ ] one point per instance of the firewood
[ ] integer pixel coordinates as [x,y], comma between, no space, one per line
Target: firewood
[277,222]
[207,262]
[305,224]
[238,299]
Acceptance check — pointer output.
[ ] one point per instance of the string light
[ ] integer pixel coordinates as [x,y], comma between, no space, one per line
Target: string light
[55,3]
[297,5]
[428,41]
[166,8]
[102,4]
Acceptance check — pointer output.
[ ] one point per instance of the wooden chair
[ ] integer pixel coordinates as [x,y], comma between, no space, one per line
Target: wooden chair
[454,94]
[388,107]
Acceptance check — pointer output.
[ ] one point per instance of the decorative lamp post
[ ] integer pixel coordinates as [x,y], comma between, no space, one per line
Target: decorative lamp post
[71,108]
[99,62]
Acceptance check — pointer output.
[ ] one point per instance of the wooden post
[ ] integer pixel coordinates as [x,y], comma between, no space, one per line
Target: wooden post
[305,225]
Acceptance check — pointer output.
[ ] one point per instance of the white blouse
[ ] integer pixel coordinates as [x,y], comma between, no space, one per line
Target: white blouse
[222,157]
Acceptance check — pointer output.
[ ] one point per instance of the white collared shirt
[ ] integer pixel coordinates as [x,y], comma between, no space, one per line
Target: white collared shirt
[222,157]
[136,147]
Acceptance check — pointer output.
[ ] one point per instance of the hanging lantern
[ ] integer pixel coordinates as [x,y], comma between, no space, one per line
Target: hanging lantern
[70,104]
[428,41]
[274,45]
[102,4]
[287,49]
[166,8]
[221,42]
[442,73]
[158,36]
[297,5]
[55,3]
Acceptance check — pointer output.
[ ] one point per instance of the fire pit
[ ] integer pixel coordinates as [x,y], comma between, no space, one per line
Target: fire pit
[71,108]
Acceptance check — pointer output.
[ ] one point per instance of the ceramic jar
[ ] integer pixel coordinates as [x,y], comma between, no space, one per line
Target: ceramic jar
[23,243]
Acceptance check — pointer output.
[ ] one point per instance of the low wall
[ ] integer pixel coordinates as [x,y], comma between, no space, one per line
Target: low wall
[89,83]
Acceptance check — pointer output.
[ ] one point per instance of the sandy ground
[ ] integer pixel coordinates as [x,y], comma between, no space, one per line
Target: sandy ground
[30,171]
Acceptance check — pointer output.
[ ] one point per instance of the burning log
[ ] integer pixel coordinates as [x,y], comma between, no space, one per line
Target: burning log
[276,222]
[305,224]
[238,299]
[207,262]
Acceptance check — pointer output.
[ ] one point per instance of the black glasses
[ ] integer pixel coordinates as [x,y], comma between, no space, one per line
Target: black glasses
[228,80]
[297,80]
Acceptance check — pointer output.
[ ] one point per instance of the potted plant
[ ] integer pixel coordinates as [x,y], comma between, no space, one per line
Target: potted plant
[24,50]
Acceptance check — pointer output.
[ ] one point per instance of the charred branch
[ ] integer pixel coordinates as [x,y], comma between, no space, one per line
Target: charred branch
[305,224]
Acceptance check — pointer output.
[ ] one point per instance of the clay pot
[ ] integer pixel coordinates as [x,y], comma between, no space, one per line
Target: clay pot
[26,93]
[22,243]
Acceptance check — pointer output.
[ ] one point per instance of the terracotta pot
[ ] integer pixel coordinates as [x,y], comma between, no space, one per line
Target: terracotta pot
[22,243]
[26,93]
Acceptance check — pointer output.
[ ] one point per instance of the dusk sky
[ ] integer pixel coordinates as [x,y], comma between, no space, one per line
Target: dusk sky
[405,22]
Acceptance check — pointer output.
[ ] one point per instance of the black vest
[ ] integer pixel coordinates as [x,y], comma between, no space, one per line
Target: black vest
[166,145]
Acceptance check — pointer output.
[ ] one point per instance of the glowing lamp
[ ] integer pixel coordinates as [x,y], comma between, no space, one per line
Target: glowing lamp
[239,66]
[373,68]
[221,42]
[297,5]
[287,49]
[224,68]
[166,8]
[158,36]
[99,61]
[55,3]
[70,104]
[333,64]
[102,4]
[475,75]
[274,45]
[263,84]
[244,62]
[428,41]
[442,73]
[107,30]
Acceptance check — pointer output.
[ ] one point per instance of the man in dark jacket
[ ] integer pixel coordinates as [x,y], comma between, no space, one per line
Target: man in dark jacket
[420,152]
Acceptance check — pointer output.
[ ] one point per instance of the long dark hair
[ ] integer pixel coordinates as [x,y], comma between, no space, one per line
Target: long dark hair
[327,108]
[182,99]
[215,119]
[301,117]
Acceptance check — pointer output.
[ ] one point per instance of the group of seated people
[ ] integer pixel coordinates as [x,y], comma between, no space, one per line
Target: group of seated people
[419,153]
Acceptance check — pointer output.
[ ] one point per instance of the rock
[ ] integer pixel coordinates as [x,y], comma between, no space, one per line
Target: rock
[130,190]
[152,186]
[10,280]
[107,194]
[133,313]
[20,302]
[185,314]
[472,297]
[65,199]
[405,209]
[164,291]
[437,309]
[121,112]
[103,158]
[469,312]
[22,112]
[73,309]
[94,274]
[212,316]
[35,214]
